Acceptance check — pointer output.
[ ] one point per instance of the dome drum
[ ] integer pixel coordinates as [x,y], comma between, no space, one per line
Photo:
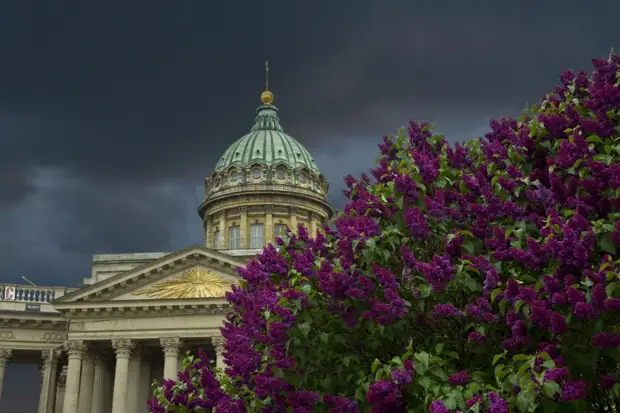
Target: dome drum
[261,174]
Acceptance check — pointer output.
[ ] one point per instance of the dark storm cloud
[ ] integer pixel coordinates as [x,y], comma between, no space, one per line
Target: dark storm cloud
[112,113]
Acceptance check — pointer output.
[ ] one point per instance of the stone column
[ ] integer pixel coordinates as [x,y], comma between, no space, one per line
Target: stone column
[244,241]
[99,387]
[170,345]
[293,219]
[47,398]
[76,350]
[134,381]
[145,384]
[269,236]
[218,346]
[223,232]
[87,377]
[123,348]
[5,355]
[60,390]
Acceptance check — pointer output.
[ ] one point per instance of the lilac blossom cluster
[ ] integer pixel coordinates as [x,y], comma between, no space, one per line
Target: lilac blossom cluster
[482,276]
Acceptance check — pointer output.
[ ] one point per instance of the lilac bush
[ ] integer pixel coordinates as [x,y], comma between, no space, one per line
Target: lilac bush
[480,277]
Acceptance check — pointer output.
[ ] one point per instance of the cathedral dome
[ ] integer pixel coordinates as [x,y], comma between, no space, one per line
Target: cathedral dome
[265,181]
[266,144]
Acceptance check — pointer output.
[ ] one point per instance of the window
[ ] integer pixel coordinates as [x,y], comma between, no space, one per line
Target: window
[216,239]
[256,236]
[279,230]
[234,239]
[281,174]
[256,173]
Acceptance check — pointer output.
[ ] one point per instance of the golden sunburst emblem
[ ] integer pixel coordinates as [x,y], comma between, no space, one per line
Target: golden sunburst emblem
[197,282]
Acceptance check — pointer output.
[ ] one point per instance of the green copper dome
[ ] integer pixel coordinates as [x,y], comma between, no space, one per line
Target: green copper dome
[266,144]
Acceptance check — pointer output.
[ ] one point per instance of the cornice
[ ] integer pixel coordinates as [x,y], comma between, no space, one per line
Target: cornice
[231,196]
[88,311]
[42,321]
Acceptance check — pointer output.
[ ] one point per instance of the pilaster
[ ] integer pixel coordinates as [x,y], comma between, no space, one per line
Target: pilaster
[294,219]
[243,228]
[75,350]
[218,346]
[315,222]
[223,232]
[123,348]
[60,390]
[5,356]
[269,236]
[146,371]
[170,346]
[208,227]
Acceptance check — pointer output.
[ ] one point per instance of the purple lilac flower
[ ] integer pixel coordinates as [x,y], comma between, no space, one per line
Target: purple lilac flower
[459,379]
[438,407]
[476,338]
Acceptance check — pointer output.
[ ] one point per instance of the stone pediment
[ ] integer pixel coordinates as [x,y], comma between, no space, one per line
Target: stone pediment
[192,273]
[197,281]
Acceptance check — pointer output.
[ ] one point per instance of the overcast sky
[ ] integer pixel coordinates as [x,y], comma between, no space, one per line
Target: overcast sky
[113,112]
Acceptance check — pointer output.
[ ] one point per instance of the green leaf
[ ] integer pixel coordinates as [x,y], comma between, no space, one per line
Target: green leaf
[375,365]
[450,403]
[607,244]
[494,294]
[425,382]
[304,328]
[439,348]
[551,388]
[399,202]
[497,357]
[306,289]
[606,159]
[440,373]
[423,361]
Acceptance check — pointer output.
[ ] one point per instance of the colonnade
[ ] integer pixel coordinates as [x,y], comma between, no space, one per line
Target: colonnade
[97,381]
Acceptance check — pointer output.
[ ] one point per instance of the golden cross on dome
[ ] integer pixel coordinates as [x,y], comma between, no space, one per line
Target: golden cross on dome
[266,97]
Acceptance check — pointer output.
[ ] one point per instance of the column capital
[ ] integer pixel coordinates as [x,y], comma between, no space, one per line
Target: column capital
[123,347]
[5,355]
[170,345]
[75,348]
[269,209]
[243,209]
[218,343]
[50,356]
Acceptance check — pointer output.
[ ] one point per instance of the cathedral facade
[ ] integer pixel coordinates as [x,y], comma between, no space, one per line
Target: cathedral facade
[101,346]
